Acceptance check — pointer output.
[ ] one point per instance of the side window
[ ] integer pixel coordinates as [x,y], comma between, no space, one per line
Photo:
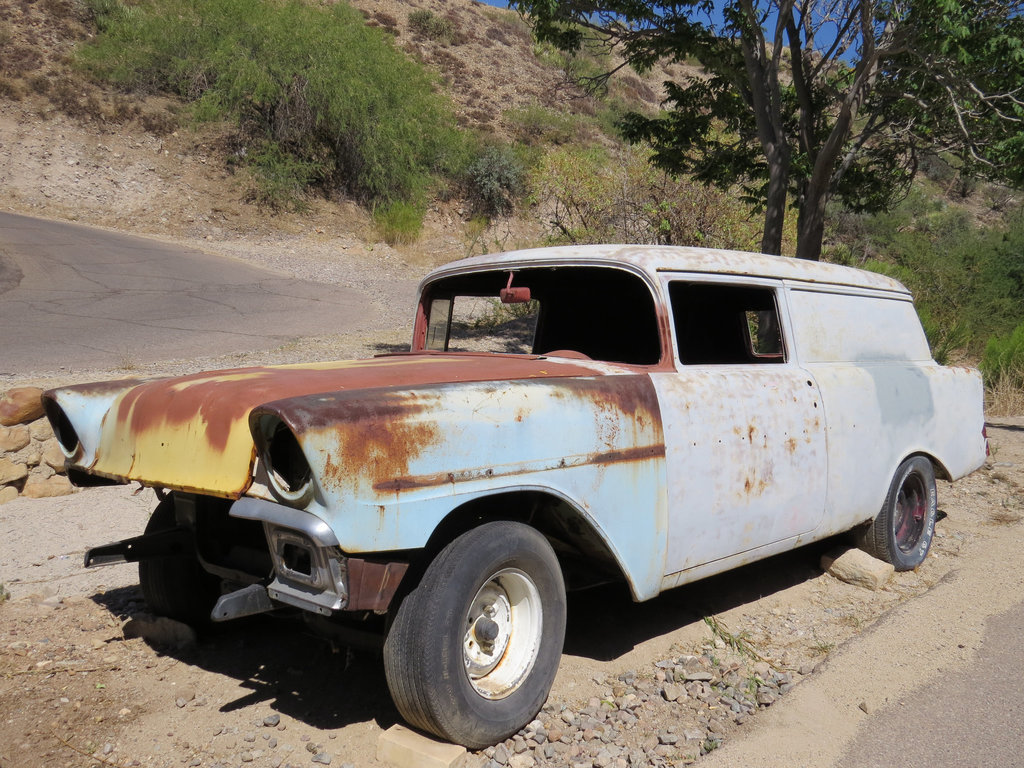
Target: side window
[720,324]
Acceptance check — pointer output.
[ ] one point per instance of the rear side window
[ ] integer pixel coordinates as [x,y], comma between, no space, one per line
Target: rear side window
[718,324]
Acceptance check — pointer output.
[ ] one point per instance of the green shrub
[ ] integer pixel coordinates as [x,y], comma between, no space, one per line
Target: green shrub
[496,179]
[600,197]
[280,179]
[398,222]
[434,27]
[1004,358]
[967,280]
[536,124]
[313,82]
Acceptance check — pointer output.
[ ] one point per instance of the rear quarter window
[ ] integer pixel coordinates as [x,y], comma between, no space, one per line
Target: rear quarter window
[839,328]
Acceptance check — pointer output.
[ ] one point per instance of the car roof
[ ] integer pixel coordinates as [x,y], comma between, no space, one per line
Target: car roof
[667,258]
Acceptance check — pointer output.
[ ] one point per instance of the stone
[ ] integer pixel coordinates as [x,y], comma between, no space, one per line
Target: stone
[12,472]
[855,566]
[8,493]
[14,438]
[53,456]
[402,748]
[41,430]
[501,755]
[673,692]
[322,757]
[42,488]
[160,631]
[271,721]
[20,406]
[699,677]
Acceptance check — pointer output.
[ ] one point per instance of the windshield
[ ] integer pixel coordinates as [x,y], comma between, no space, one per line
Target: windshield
[601,313]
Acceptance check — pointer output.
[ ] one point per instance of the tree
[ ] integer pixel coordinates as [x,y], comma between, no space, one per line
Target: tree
[810,100]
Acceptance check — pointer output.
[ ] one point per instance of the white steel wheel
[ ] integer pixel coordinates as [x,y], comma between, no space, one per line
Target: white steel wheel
[503,633]
[474,647]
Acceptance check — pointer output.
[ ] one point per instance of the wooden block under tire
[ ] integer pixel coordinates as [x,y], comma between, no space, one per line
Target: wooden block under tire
[402,748]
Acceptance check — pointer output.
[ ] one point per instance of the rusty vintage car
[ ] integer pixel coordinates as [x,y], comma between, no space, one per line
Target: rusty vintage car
[565,417]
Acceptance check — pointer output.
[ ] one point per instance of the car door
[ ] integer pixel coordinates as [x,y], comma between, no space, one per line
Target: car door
[744,427]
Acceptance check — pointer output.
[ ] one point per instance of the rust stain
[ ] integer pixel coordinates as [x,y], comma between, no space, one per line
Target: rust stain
[408,483]
[221,399]
[372,585]
[162,431]
[378,434]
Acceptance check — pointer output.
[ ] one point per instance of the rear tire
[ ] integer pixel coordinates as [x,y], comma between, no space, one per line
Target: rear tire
[902,533]
[176,586]
[474,648]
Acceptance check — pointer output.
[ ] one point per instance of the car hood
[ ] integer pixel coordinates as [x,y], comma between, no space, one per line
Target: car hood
[192,433]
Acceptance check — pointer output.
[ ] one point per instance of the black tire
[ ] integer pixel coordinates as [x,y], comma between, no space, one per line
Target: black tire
[902,532]
[176,586]
[474,648]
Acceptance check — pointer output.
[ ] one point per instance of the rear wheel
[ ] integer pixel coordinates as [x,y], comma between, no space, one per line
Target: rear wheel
[474,648]
[176,585]
[902,532]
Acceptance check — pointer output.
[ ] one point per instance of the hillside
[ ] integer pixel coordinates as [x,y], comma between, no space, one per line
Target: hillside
[70,149]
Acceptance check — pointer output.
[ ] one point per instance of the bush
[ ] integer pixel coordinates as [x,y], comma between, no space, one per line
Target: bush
[312,83]
[399,222]
[434,27]
[535,124]
[596,197]
[280,179]
[496,180]
[1004,358]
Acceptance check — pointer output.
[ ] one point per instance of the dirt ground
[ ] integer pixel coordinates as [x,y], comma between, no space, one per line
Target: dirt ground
[76,688]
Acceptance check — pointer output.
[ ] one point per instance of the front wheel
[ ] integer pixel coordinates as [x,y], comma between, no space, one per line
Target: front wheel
[902,532]
[474,648]
[176,585]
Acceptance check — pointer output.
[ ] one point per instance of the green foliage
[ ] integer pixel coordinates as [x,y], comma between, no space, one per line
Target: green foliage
[784,118]
[398,222]
[318,94]
[432,26]
[496,179]
[1004,359]
[967,280]
[536,124]
[280,179]
[620,197]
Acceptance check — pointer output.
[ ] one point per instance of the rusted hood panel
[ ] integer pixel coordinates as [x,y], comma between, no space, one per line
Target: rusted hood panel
[192,433]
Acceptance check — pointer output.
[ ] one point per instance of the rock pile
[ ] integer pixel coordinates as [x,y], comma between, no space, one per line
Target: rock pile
[669,714]
[31,461]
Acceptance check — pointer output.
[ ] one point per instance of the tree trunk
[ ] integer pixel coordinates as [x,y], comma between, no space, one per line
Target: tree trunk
[775,202]
[810,223]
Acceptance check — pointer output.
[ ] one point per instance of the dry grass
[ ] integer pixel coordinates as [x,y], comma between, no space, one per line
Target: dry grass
[1005,397]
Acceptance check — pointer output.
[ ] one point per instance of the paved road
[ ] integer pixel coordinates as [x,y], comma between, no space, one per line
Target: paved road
[80,297]
[973,717]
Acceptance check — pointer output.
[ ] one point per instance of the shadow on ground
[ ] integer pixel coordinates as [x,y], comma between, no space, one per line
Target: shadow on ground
[286,666]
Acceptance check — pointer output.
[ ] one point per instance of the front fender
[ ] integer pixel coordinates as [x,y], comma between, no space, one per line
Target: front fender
[390,464]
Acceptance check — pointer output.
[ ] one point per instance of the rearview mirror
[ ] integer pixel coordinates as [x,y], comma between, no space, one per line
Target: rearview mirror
[510,295]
